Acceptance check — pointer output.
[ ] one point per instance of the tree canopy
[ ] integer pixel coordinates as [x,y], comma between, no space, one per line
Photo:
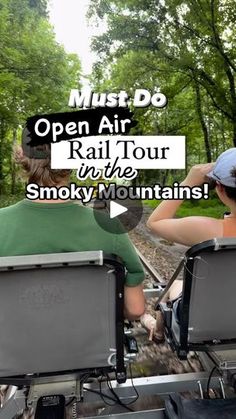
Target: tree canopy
[186,49]
[36,74]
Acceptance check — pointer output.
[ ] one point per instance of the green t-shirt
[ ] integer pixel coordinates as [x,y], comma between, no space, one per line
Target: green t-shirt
[28,228]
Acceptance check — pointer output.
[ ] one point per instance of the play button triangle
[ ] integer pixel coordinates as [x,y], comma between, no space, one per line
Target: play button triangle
[116,209]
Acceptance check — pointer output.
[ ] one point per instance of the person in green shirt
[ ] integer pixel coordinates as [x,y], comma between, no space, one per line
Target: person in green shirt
[49,226]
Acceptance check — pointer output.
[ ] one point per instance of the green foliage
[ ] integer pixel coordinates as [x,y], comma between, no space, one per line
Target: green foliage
[209,208]
[7,200]
[40,6]
[35,70]
[186,50]
[36,74]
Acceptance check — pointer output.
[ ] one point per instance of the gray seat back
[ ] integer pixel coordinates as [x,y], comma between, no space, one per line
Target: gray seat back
[57,313]
[210,287]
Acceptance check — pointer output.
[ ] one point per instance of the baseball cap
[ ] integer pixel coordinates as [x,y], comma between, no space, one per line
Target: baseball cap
[33,152]
[224,167]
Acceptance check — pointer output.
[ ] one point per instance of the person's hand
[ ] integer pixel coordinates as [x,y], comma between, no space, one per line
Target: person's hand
[197,174]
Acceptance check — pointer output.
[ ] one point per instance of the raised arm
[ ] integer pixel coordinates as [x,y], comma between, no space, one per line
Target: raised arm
[187,230]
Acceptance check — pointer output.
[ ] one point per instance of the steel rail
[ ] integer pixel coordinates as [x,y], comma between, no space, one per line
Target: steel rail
[149,268]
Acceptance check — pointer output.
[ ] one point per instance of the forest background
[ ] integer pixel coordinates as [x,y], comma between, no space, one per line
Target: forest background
[185,49]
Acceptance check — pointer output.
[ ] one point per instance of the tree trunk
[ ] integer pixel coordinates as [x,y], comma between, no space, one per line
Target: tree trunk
[234,131]
[202,121]
[233,99]
[165,177]
[1,157]
[229,67]
[13,165]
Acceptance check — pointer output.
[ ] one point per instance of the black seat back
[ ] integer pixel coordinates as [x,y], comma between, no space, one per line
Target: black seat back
[60,312]
[207,313]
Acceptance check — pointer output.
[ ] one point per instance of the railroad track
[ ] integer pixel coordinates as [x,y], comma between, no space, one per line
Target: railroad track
[159,283]
[151,355]
[150,269]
